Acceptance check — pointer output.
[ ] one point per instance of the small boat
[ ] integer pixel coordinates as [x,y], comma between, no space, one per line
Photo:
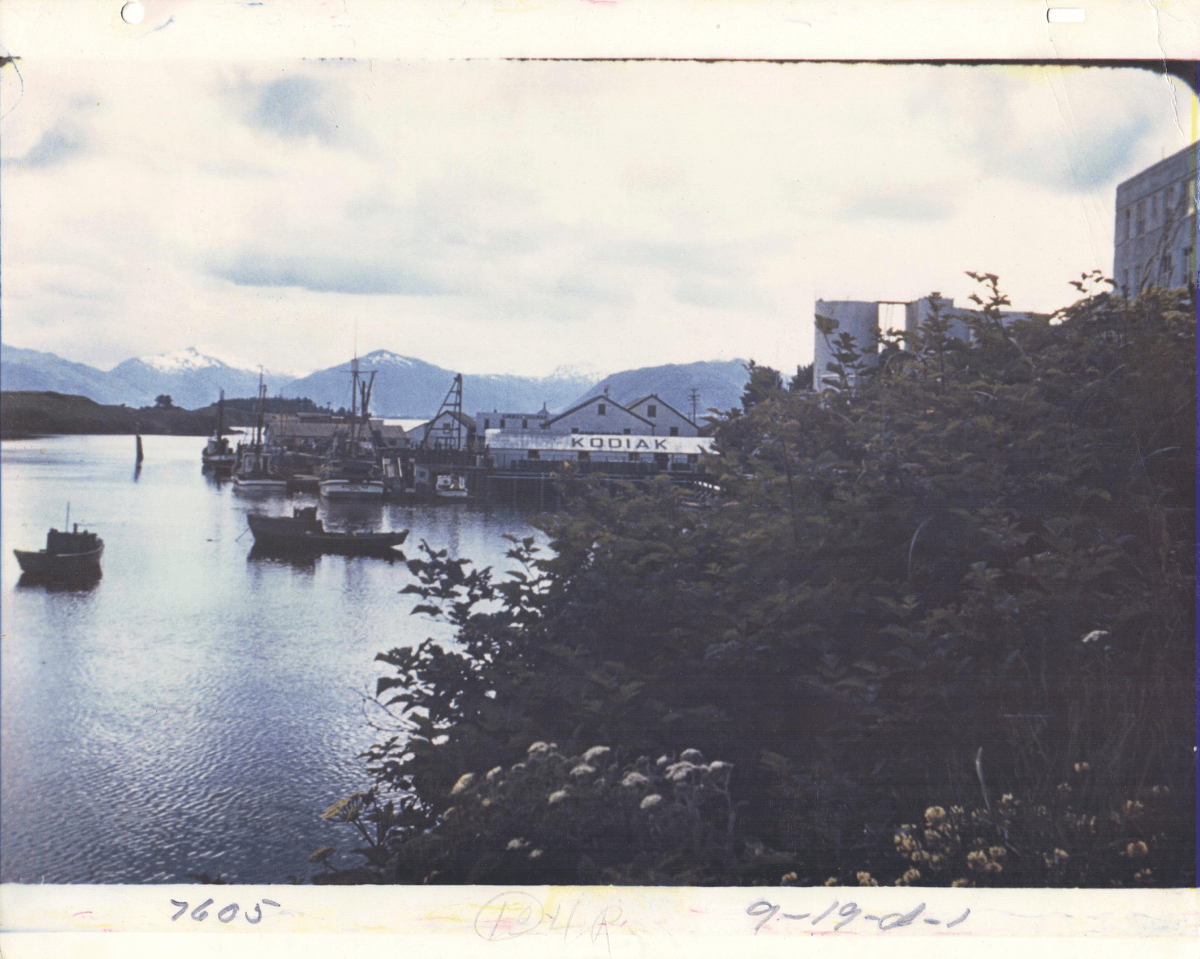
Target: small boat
[351,471]
[352,480]
[73,555]
[303,533]
[451,486]
[218,455]
[256,472]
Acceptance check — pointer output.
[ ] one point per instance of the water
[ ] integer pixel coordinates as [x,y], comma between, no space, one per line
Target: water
[197,709]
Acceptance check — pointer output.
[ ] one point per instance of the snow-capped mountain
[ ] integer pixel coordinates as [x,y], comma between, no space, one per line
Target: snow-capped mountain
[180,361]
[409,387]
[404,386]
[189,377]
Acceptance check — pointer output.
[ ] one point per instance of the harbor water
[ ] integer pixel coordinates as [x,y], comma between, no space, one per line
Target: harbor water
[196,710]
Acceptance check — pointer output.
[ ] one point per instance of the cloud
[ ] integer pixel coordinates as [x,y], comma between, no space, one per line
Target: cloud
[297,108]
[924,206]
[60,143]
[717,296]
[320,274]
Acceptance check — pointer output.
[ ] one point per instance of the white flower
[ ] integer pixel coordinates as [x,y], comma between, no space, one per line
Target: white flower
[651,801]
[596,752]
[538,747]
[662,761]
[583,769]
[517,844]
[679,772]
[558,796]
[464,783]
[1094,635]
[718,772]
[635,779]
[692,756]
[494,774]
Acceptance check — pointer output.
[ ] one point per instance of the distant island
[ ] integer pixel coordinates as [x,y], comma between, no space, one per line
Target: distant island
[44,413]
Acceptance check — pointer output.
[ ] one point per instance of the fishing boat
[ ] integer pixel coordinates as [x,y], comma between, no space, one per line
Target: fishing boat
[67,556]
[451,486]
[256,472]
[303,533]
[351,471]
[218,455]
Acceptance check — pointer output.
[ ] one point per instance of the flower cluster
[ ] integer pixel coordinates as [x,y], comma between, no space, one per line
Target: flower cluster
[1030,844]
[553,804]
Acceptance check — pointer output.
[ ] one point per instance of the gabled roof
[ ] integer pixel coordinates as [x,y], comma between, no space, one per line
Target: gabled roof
[603,397]
[661,402]
[465,420]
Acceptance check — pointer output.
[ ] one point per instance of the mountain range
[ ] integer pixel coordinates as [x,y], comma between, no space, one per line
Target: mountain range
[404,386]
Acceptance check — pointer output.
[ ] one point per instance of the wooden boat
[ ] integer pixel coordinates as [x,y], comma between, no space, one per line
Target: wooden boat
[73,555]
[451,487]
[303,533]
[349,480]
[351,471]
[218,455]
[256,472]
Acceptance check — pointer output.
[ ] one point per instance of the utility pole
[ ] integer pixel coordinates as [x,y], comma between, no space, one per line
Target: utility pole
[695,400]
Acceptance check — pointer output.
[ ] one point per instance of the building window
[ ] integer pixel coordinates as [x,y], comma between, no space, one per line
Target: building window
[628,431]
[1128,222]
[487,424]
[585,456]
[635,457]
[674,430]
[524,424]
[1141,217]
[535,454]
[1168,269]
[1154,207]
[502,422]
[652,410]
[574,429]
[602,410]
[693,458]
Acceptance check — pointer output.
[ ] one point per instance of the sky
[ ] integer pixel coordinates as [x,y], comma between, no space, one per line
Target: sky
[520,217]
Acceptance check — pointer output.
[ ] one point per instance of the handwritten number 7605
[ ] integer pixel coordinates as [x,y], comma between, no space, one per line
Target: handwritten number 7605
[226,914]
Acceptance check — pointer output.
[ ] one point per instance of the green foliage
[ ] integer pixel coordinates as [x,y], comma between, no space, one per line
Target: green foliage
[763,384]
[967,567]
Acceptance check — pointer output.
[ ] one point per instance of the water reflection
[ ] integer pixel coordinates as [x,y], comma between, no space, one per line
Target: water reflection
[278,557]
[214,705]
[59,584]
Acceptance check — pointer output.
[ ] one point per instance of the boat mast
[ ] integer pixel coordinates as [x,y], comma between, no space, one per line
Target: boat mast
[258,423]
[220,418]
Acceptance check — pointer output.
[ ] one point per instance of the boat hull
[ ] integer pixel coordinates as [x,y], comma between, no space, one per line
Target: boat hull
[308,537]
[349,490]
[43,564]
[260,485]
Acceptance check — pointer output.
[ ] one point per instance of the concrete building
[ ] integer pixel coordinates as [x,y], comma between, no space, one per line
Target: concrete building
[1154,237]
[667,420]
[866,320]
